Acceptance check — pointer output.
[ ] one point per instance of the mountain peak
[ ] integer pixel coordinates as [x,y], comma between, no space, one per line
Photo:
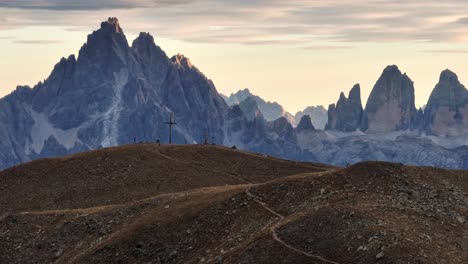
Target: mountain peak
[346,114]
[448,76]
[180,59]
[242,94]
[392,69]
[147,50]
[112,23]
[146,37]
[245,90]
[143,43]
[305,124]
[250,108]
[342,96]
[355,93]
[356,88]
[393,98]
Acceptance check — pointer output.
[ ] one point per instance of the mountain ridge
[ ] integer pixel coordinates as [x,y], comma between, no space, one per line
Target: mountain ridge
[113,94]
[273,110]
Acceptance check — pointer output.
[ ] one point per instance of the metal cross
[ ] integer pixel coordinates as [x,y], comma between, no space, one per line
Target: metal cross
[170,123]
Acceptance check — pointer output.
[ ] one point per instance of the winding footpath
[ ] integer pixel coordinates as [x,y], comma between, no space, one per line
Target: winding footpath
[263,205]
[278,224]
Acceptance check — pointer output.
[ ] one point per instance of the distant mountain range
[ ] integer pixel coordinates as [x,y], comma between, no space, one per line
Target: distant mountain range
[391,107]
[114,93]
[272,110]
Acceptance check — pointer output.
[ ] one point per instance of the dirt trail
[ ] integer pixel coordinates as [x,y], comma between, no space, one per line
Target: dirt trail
[278,224]
[179,201]
[273,228]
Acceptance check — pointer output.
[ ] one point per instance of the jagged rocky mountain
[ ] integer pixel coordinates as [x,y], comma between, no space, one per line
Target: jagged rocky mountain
[347,113]
[390,105]
[318,115]
[391,129]
[113,93]
[110,95]
[305,124]
[446,113]
[272,110]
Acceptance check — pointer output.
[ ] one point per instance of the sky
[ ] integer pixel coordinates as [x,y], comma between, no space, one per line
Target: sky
[299,53]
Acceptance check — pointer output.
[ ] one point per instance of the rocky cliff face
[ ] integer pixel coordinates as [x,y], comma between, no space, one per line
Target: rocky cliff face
[446,113]
[346,115]
[283,129]
[390,105]
[305,125]
[243,131]
[251,109]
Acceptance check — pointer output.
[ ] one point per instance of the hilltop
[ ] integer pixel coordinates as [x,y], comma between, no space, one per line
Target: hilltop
[207,204]
[133,172]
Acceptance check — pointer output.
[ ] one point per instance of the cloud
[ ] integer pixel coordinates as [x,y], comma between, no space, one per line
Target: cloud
[257,22]
[38,42]
[328,47]
[85,5]
[453,51]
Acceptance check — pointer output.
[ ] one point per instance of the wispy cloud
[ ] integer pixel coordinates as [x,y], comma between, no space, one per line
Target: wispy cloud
[463,20]
[454,51]
[73,5]
[278,22]
[35,42]
[328,47]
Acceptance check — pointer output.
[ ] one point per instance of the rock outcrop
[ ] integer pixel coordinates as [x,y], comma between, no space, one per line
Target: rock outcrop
[283,129]
[446,113]
[305,125]
[390,106]
[318,115]
[243,130]
[346,115]
[250,108]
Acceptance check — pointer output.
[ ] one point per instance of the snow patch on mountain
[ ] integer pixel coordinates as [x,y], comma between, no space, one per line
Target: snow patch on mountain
[43,130]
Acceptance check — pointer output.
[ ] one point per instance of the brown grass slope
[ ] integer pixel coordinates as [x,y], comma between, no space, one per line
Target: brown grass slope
[133,172]
[371,212]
